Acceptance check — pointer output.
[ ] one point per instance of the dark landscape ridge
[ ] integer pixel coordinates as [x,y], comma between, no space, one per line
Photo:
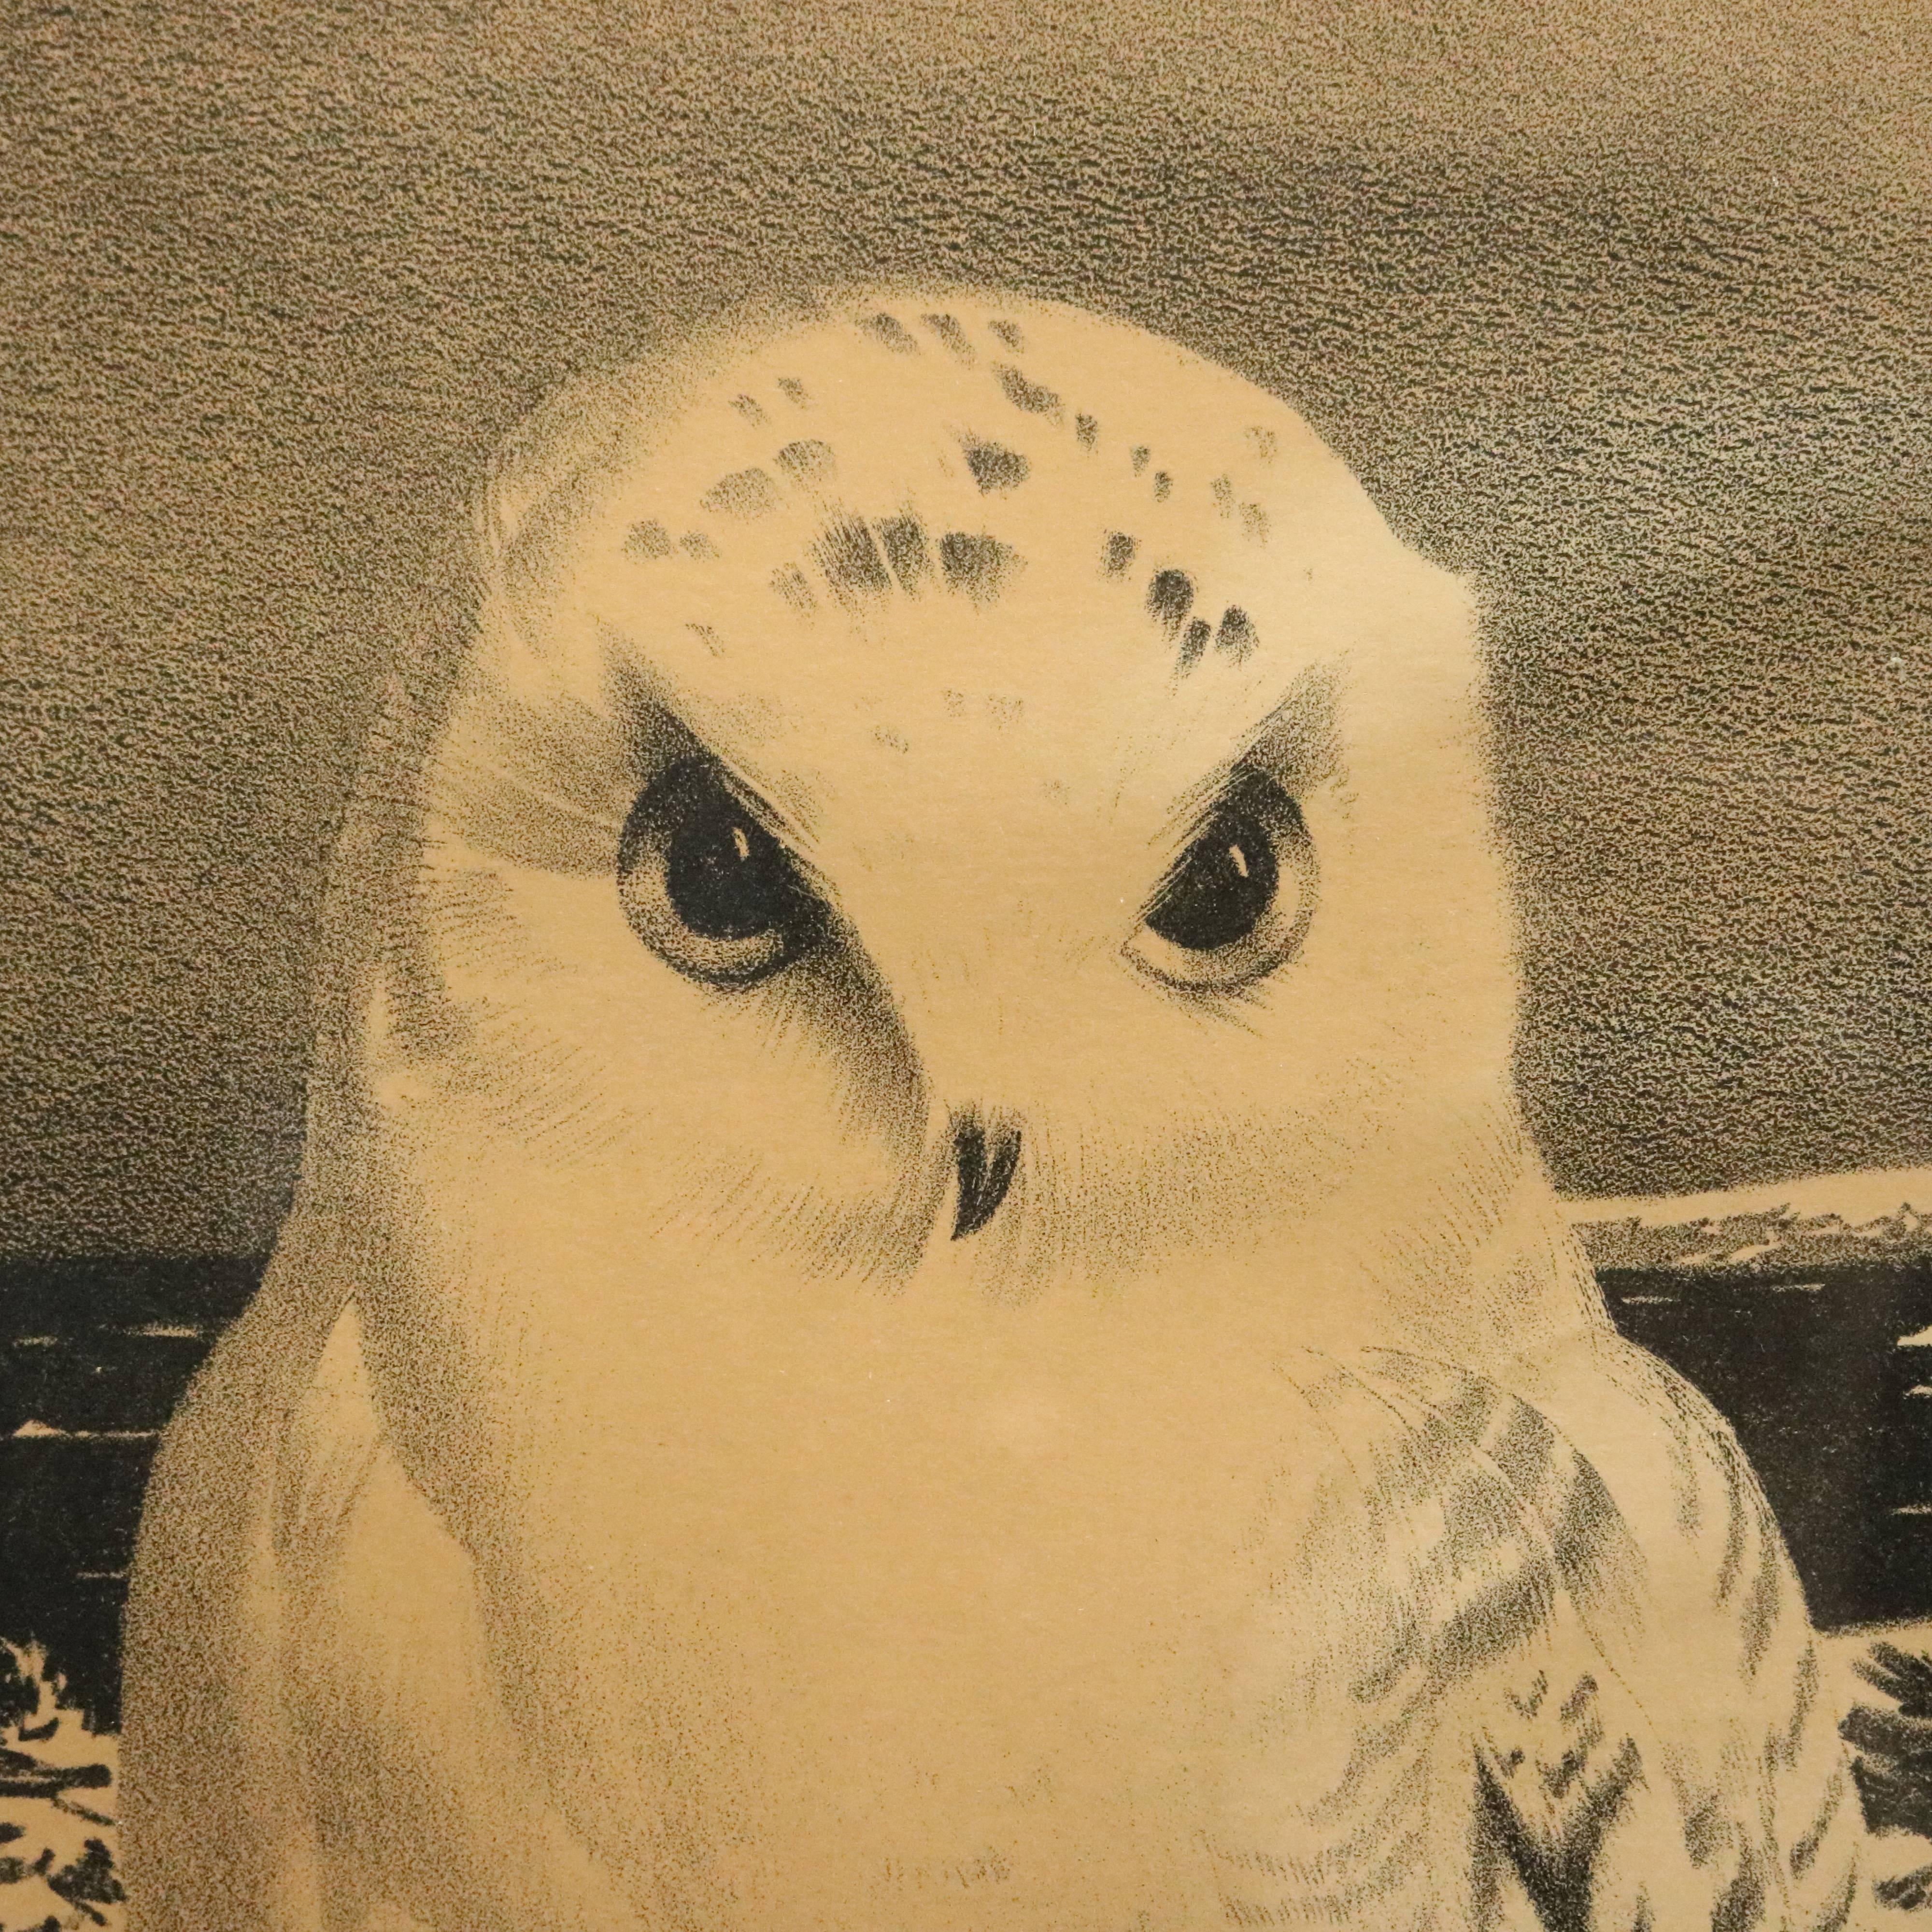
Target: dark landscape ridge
[1810,1332]
[1760,1241]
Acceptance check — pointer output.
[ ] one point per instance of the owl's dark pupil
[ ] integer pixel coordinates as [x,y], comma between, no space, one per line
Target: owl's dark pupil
[727,877]
[1224,883]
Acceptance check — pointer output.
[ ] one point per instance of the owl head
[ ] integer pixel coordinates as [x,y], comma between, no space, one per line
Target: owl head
[940,785]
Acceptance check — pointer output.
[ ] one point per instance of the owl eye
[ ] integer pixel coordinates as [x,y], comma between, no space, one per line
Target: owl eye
[1236,903]
[706,886]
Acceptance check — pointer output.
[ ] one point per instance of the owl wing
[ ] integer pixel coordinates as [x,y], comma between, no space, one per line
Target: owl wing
[1650,1742]
[209,1851]
[306,1621]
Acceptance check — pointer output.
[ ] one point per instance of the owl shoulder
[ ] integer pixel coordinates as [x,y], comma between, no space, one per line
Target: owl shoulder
[1651,1726]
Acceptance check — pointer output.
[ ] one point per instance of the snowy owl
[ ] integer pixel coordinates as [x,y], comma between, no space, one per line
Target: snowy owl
[919,1301]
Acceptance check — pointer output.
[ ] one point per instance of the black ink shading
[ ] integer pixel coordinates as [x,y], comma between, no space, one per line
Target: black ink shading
[1034,398]
[790,584]
[807,461]
[985,1170]
[947,328]
[850,561]
[904,540]
[995,466]
[1235,634]
[893,333]
[1169,597]
[744,493]
[980,566]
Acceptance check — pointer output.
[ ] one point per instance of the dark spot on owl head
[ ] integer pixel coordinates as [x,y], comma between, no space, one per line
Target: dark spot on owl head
[1139,456]
[744,493]
[947,328]
[1193,643]
[995,466]
[708,638]
[750,409]
[794,390]
[1236,635]
[1008,334]
[1162,484]
[789,583]
[1263,442]
[1116,553]
[806,461]
[892,332]
[850,559]
[981,566]
[696,543]
[1254,522]
[1086,430]
[904,540]
[1169,598]
[648,540]
[1222,489]
[1033,397]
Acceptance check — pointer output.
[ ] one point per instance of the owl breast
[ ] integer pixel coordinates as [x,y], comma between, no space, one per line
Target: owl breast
[1028,1618]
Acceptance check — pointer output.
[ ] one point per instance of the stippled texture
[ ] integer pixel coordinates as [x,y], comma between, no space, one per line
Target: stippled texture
[1623,310]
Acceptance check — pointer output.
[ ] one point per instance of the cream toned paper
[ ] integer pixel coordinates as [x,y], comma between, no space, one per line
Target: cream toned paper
[1038,741]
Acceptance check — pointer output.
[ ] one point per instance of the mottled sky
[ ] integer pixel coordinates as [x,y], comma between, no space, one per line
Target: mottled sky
[1627,311]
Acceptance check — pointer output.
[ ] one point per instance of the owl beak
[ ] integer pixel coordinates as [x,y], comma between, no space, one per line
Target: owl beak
[985,1162]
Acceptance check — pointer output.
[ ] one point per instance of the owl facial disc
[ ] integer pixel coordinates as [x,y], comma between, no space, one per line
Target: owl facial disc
[891,741]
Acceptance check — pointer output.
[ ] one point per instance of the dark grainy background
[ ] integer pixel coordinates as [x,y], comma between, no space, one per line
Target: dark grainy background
[1627,309]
